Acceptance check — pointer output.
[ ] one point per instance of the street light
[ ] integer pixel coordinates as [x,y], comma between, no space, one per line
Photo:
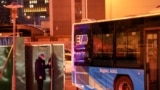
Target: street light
[14,9]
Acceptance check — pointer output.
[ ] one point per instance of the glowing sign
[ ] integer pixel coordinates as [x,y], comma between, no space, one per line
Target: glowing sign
[81,39]
[6,40]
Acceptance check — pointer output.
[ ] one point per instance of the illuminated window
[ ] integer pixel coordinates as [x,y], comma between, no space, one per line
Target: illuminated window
[25,14]
[28,17]
[31,6]
[46,1]
[43,17]
[30,2]
[33,2]
[3,2]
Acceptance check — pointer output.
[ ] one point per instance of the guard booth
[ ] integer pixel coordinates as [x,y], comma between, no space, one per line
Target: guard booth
[55,75]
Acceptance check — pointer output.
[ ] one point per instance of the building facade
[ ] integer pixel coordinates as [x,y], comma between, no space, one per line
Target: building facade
[4,12]
[66,12]
[60,14]
[35,10]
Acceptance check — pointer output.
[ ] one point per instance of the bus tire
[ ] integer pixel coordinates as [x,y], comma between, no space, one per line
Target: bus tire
[123,83]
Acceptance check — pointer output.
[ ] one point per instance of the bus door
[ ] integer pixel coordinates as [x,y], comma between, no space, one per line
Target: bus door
[152,59]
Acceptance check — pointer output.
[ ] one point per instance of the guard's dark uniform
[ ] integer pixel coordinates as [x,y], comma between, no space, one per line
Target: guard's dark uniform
[40,74]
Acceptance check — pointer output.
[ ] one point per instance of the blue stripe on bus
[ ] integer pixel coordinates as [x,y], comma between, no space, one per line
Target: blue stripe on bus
[106,76]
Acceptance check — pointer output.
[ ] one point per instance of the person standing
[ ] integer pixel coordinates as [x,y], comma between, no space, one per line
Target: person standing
[40,74]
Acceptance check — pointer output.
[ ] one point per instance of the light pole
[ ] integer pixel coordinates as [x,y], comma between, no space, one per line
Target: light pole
[84,10]
[14,10]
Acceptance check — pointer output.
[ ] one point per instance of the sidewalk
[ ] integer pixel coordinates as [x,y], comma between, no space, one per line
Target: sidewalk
[68,83]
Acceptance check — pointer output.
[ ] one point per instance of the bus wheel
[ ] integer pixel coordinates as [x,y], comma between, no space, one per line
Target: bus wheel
[123,83]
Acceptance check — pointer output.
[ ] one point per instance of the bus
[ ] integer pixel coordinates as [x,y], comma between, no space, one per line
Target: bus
[117,54]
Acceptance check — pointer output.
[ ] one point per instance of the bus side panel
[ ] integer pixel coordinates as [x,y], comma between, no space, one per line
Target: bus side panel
[80,76]
[103,78]
[136,76]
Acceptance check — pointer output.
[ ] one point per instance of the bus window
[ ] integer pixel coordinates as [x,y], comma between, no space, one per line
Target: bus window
[102,45]
[127,44]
